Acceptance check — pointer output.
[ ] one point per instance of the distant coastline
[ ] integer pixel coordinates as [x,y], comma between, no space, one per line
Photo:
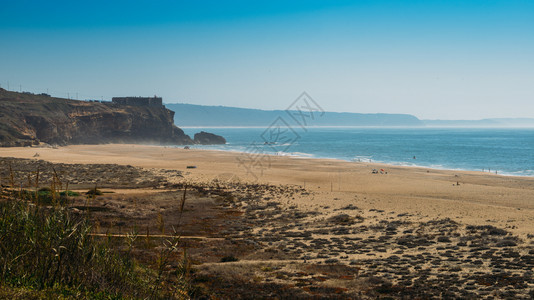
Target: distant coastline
[192,115]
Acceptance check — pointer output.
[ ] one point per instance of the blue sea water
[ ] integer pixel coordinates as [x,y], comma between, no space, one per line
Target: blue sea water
[509,151]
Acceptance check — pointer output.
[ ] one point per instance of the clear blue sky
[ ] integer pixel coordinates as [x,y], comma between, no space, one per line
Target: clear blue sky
[434,59]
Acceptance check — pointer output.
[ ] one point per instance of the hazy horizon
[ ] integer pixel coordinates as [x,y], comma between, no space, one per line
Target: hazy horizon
[452,61]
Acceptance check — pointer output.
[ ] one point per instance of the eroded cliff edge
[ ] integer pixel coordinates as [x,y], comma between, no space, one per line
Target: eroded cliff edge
[27,119]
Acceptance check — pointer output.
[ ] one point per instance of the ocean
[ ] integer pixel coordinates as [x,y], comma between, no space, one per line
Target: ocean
[507,151]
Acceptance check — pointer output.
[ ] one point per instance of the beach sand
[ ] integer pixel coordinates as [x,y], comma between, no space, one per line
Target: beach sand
[480,198]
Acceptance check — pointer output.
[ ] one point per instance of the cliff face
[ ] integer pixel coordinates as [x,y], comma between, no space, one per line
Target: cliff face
[29,119]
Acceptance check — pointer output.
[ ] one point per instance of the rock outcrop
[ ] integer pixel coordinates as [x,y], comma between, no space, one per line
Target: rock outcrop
[206,138]
[27,119]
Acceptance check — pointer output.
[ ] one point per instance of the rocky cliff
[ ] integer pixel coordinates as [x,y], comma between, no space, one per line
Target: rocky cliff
[27,119]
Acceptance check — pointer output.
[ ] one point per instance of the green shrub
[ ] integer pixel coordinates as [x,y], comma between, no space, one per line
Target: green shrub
[45,196]
[95,192]
[69,194]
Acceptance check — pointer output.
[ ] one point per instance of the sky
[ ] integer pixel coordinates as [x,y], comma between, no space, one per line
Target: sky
[433,59]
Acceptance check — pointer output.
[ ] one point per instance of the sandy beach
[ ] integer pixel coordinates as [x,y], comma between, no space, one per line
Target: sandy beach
[296,216]
[426,193]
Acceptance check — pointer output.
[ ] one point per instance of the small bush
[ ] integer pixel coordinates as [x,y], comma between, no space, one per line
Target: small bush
[45,196]
[95,192]
[69,194]
[229,258]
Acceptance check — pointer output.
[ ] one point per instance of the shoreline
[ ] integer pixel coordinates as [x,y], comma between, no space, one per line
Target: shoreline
[375,164]
[505,151]
[378,163]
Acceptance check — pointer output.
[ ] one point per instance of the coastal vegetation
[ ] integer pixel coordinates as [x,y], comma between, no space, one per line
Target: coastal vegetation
[50,250]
